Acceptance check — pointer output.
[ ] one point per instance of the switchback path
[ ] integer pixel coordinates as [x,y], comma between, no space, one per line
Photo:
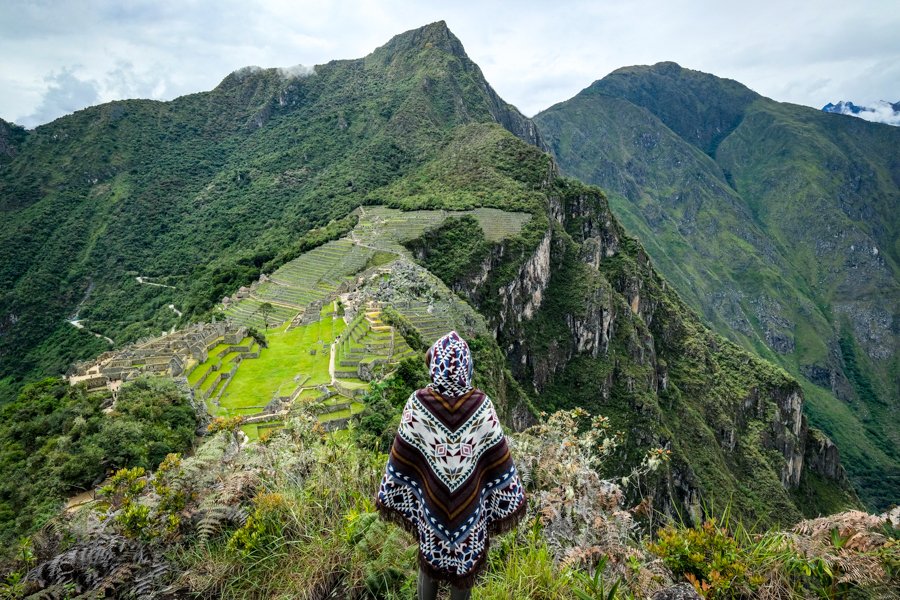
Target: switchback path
[142,282]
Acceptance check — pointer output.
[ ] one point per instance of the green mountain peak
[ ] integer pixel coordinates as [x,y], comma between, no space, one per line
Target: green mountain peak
[701,108]
[776,222]
[434,35]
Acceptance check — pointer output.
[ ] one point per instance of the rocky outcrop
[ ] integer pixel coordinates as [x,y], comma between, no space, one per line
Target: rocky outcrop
[627,318]
[822,456]
[522,297]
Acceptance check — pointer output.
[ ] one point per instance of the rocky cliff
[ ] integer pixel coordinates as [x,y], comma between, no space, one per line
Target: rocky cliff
[585,320]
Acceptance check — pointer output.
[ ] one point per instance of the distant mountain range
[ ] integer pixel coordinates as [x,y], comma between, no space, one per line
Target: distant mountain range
[778,223]
[881,112]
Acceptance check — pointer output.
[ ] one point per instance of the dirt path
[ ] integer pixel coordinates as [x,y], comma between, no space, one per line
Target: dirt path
[333,351]
[142,282]
[78,325]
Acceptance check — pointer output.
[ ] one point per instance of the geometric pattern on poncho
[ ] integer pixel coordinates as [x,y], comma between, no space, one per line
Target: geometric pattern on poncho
[453,555]
[451,455]
[451,366]
[452,497]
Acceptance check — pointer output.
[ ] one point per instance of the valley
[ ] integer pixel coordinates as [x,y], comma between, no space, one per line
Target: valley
[323,338]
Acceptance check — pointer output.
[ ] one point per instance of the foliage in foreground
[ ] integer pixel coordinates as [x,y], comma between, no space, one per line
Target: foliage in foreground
[56,440]
[292,517]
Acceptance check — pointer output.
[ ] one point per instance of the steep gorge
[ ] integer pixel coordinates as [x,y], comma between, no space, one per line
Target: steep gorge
[585,321]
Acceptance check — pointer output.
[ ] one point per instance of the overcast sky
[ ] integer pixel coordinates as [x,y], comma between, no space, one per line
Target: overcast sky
[59,56]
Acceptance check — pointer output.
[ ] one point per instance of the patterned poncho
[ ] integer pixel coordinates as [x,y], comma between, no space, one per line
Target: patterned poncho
[450,479]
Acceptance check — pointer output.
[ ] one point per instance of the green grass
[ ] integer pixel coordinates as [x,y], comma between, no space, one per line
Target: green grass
[355,408]
[198,373]
[309,394]
[253,430]
[288,355]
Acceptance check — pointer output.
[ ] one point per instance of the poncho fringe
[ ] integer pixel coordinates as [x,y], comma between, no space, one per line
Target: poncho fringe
[496,528]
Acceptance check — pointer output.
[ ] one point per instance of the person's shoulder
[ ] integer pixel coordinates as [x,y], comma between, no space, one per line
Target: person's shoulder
[483,400]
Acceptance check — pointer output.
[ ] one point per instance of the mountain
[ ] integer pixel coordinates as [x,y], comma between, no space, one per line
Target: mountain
[122,216]
[778,223]
[883,112]
[201,192]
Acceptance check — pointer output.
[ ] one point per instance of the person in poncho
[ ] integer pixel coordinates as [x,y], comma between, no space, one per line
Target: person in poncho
[450,479]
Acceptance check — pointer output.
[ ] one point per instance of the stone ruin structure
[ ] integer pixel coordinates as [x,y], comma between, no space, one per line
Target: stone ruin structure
[167,356]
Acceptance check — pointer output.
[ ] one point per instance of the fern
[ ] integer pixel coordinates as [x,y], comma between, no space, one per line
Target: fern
[216,517]
[149,580]
[54,592]
[107,566]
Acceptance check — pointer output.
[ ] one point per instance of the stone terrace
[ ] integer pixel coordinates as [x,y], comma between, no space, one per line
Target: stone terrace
[170,355]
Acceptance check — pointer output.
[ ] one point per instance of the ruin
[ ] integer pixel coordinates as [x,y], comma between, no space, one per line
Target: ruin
[170,355]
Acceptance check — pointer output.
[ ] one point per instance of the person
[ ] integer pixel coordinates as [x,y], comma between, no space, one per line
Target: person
[450,479]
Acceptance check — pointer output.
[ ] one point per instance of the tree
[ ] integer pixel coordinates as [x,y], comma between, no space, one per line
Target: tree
[265,309]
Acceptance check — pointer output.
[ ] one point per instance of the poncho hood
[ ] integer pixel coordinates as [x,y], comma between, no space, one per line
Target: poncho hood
[451,367]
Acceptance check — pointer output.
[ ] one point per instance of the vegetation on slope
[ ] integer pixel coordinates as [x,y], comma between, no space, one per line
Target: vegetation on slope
[293,516]
[58,440]
[395,128]
[208,190]
[775,222]
[657,370]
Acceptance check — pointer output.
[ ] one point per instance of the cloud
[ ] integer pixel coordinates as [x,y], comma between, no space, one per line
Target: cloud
[880,112]
[534,57]
[65,93]
[296,71]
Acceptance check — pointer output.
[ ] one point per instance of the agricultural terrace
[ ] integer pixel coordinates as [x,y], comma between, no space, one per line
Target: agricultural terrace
[296,358]
[318,276]
[297,308]
[386,228]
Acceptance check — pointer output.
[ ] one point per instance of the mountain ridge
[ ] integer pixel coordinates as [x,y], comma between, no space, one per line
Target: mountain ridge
[769,273]
[205,194]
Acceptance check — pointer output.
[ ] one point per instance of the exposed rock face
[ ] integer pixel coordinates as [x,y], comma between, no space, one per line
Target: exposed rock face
[522,297]
[789,432]
[822,457]
[633,308]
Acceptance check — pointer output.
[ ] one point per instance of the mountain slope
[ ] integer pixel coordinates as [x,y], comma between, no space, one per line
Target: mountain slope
[201,192]
[777,222]
[120,211]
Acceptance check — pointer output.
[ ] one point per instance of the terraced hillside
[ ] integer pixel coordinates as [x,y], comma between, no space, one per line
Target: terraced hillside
[306,283]
[209,190]
[326,338]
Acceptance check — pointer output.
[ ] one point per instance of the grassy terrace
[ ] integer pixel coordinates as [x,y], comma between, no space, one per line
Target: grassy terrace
[300,356]
[213,356]
[315,275]
[281,367]
[247,312]
[388,228]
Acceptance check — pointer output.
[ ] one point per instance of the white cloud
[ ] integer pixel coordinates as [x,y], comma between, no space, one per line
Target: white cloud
[532,53]
[65,93]
[296,71]
[880,112]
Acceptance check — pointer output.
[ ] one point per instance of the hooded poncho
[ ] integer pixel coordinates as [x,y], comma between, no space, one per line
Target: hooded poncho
[450,479]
